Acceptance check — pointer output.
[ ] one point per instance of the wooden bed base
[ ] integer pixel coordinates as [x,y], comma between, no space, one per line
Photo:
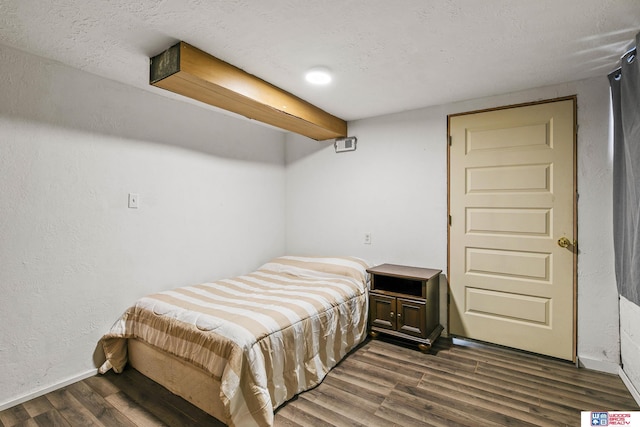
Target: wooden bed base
[187,381]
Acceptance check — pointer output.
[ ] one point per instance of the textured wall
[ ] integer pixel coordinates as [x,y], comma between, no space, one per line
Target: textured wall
[395,187]
[72,255]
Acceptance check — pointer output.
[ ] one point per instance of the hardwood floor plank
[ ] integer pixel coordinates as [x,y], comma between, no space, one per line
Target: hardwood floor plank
[398,416]
[308,413]
[105,413]
[353,408]
[553,367]
[102,385]
[37,406]
[381,377]
[517,359]
[419,408]
[354,374]
[410,373]
[555,389]
[356,387]
[469,404]
[475,397]
[138,415]
[445,361]
[30,422]
[51,419]
[524,398]
[605,383]
[451,384]
[412,356]
[12,416]
[283,420]
[72,410]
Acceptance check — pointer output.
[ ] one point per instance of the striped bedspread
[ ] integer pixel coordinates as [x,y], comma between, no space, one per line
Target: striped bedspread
[265,336]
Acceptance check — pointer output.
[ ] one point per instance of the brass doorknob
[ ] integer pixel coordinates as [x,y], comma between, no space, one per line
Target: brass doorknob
[563,242]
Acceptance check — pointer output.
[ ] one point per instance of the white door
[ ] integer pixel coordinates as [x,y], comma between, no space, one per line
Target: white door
[512,205]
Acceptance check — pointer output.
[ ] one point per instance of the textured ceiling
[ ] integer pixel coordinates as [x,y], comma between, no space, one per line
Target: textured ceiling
[386,55]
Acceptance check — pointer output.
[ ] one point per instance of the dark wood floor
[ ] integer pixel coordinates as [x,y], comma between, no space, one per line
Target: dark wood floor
[379,384]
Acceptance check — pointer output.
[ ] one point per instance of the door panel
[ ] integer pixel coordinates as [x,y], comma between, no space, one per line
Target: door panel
[532,222]
[511,197]
[510,264]
[412,317]
[383,311]
[507,306]
[488,180]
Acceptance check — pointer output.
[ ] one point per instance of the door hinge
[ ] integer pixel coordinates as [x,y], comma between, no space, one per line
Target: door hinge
[449,220]
[450,140]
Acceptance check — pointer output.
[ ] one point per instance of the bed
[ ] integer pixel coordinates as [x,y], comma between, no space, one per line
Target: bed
[239,348]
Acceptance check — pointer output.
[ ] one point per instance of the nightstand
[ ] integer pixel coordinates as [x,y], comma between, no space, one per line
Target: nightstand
[405,302]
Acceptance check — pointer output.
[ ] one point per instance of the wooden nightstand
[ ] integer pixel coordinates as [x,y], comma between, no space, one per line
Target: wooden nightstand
[405,302]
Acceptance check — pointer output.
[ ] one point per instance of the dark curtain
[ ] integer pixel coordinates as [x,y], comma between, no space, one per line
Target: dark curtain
[625,98]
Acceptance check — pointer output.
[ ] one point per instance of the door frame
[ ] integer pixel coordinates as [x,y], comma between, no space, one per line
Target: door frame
[573,98]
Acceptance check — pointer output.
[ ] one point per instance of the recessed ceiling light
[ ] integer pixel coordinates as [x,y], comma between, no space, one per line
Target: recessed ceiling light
[318,76]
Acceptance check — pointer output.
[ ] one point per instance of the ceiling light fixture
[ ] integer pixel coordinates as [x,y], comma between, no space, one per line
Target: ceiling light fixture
[318,76]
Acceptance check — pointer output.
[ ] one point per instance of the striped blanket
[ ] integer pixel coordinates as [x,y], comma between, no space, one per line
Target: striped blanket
[265,336]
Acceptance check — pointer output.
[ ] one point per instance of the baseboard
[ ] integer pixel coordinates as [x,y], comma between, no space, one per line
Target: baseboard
[598,365]
[41,392]
[625,379]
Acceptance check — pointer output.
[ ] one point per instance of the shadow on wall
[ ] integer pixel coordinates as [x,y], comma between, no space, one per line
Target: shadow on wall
[298,147]
[444,306]
[41,90]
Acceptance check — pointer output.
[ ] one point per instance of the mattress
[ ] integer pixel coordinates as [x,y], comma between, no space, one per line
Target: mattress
[263,337]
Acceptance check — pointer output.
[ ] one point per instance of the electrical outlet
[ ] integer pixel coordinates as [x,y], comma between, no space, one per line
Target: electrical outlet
[134,200]
[367,238]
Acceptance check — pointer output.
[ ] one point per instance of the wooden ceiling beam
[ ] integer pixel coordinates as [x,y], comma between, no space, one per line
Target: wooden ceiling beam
[188,71]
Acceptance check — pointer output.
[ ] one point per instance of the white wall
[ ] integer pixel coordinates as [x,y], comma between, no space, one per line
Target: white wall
[395,187]
[72,255]
[630,345]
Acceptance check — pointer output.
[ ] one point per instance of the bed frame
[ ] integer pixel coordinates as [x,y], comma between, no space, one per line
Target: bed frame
[187,381]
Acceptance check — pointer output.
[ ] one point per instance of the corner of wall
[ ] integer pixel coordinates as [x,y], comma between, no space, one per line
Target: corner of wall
[598,365]
[41,392]
[627,382]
